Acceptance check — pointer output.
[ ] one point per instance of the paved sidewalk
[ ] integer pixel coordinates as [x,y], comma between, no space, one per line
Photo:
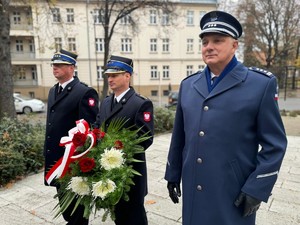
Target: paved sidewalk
[29,202]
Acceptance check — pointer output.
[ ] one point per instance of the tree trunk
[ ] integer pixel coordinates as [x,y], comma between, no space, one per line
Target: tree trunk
[7,107]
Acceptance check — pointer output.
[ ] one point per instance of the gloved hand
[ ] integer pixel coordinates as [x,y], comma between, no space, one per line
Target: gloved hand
[249,204]
[174,191]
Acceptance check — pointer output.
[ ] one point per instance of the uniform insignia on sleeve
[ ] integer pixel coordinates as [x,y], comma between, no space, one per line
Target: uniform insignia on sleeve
[92,102]
[261,71]
[147,116]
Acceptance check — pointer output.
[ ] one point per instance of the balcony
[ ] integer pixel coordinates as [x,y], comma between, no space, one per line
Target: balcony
[24,56]
[25,83]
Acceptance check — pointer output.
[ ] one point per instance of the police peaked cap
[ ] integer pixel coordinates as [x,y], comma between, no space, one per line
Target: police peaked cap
[222,23]
[64,57]
[118,64]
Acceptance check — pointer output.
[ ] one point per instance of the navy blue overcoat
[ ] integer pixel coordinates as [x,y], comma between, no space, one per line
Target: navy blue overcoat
[225,141]
[135,109]
[77,101]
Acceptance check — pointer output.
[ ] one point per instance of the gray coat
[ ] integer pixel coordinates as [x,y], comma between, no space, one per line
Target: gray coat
[215,145]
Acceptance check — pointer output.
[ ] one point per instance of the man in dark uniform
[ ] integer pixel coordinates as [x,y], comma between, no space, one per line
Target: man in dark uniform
[69,100]
[228,141]
[126,103]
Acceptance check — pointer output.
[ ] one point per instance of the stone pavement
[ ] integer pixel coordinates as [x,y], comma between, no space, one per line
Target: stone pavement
[29,202]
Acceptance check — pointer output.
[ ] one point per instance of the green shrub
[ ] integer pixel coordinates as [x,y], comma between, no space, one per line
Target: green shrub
[11,166]
[163,120]
[22,142]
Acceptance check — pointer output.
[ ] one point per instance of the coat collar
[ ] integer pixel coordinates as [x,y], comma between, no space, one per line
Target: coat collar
[237,75]
[65,92]
[111,112]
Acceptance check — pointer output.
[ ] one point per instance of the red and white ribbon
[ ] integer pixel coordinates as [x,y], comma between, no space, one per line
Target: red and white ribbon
[61,166]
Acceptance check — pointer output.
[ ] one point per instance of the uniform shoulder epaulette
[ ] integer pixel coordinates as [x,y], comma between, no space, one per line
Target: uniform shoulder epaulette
[191,75]
[142,96]
[261,71]
[83,83]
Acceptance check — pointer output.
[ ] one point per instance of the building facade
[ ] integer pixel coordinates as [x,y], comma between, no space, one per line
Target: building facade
[165,49]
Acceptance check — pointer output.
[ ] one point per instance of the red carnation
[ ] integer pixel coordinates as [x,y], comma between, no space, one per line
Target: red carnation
[119,144]
[99,134]
[86,164]
[79,139]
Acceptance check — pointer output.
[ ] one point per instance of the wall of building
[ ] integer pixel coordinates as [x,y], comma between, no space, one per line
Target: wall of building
[43,31]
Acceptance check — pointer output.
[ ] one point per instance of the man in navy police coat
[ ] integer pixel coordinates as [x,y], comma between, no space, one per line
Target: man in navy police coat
[69,100]
[228,141]
[138,111]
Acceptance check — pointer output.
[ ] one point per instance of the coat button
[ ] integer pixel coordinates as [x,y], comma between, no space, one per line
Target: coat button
[201,133]
[206,108]
[199,160]
[199,188]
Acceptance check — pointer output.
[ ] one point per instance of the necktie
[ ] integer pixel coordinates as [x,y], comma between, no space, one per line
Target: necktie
[115,102]
[213,79]
[60,89]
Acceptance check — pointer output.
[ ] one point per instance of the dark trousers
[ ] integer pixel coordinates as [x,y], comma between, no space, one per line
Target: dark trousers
[77,217]
[130,213]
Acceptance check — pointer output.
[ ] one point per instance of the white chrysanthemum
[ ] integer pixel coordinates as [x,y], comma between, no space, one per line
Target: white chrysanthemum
[112,158]
[79,186]
[102,188]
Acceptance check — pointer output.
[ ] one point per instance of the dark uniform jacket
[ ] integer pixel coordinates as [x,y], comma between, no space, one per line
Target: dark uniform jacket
[134,108]
[226,141]
[77,101]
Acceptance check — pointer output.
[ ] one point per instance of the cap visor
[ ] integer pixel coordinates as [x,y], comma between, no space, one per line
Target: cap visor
[60,62]
[213,32]
[114,71]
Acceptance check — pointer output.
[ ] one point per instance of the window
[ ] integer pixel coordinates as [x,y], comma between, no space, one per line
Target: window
[99,72]
[153,19]
[16,18]
[166,92]
[98,16]
[72,44]
[21,73]
[126,20]
[189,45]
[154,93]
[166,72]
[189,70]
[153,45]
[126,45]
[200,45]
[165,19]
[153,72]
[33,73]
[56,15]
[31,46]
[190,18]
[70,15]
[58,44]
[19,45]
[201,67]
[99,44]
[165,45]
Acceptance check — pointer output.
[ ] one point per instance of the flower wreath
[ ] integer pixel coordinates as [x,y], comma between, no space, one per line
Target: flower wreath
[96,169]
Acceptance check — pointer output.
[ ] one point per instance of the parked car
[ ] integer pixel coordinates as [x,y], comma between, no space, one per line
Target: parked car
[172,98]
[25,104]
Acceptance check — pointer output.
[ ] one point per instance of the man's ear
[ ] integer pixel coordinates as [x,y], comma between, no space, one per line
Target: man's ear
[235,44]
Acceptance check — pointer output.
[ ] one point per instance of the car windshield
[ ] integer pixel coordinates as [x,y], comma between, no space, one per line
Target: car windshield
[24,97]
